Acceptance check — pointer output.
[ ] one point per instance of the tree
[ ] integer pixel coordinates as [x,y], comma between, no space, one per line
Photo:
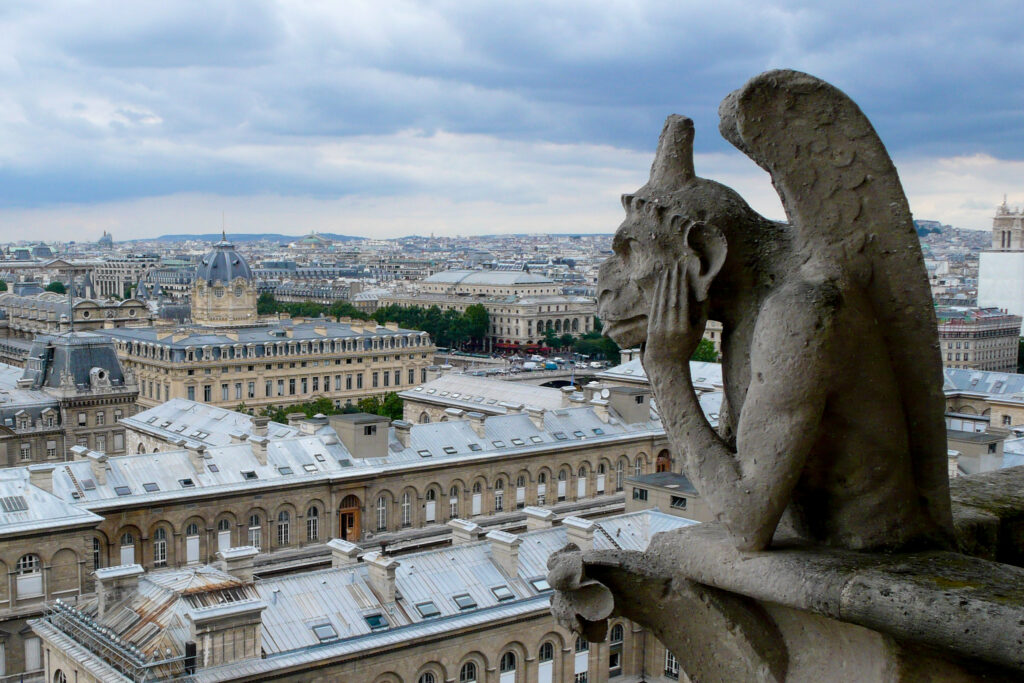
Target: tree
[3,286]
[566,341]
[705,351]
[266,304]
[1020,356]
[56,286]
[478,323]
[597,346]
[551,338]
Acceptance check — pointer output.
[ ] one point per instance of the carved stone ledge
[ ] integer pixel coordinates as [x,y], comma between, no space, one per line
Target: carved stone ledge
[794,613]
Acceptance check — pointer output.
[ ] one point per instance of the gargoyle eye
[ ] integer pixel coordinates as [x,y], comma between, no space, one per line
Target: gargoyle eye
[627,201]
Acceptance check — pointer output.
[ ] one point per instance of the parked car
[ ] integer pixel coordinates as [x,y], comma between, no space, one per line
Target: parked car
[530,365]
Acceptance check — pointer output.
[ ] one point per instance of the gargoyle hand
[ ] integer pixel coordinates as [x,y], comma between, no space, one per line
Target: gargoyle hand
[673,329]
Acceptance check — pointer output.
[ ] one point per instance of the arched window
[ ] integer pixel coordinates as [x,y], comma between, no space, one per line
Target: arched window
[562,475]
[428,677]
[159,548]
[508,663]
[582,472]
[467,674]
[313,523]
[255,530]
[59,677]
[542,478]
[192,529]
[431,495]
[406,509]
[521,481]
[499,495]
[616,635]
[600,469]
[476,487]
[224,525]
[127,548]
[284,526]
[582,644]
[97,553]
[453,502]
[382,514]
[638,466]
[619,471]
[547,652]
[28,564]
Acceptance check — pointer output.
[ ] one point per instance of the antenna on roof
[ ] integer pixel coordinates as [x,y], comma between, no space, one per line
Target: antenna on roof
[223,228]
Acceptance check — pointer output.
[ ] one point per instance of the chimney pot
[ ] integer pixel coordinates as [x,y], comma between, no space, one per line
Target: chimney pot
[382,575]
[536,416]
[476,420]
[538,518]
[505,551]
[579,532]
[259,425]
[402,431]
[41,476]
[343,553]
[238,561]
[464,531]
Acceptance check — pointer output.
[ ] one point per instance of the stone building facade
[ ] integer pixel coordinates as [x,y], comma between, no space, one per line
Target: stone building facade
[27,315]
[116,275]
[978,338]
[289,487]
[71,392]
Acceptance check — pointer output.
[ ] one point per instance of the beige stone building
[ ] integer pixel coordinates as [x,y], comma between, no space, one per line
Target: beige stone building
[211,480]
[978,338]
[28,315]
[669,492]
[370,617]
[116,275]
[229,357]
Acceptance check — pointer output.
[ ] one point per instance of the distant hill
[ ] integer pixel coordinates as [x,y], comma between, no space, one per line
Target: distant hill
[245,237]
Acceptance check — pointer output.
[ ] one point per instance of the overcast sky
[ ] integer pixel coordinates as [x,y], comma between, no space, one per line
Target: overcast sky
[390,118]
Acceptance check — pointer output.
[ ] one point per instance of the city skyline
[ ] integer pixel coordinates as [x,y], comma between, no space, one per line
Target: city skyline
[464,119]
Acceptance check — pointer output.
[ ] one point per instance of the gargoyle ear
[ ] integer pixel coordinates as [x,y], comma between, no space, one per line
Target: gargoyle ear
[709,246]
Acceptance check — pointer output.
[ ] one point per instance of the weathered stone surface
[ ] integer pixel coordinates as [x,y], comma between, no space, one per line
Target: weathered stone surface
[830,352]
[989,514]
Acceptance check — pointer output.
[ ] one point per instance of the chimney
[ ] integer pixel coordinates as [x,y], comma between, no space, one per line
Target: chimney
[600,409]
[310,425]
[259,425]
[567,393]
[402,431]
[112,583]
[512,408]
[259,448]
[464,531]
[579,532]
[433,372]
[237,436]
[295,417]
[631,404]
[343,553]
[476,420]
[592,390]
[41,476]
[538,518]
[505,551]
[238,561]
[196,455]
[382,575]
[97,462]
[536,416]
[454,413]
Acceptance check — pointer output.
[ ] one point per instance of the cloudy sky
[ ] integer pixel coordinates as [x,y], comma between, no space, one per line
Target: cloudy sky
[390,118]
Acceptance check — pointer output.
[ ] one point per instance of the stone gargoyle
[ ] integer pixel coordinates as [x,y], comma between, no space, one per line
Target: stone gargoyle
[831,441]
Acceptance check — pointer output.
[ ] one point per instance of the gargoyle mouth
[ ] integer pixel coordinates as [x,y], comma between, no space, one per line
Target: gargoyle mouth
[626,332]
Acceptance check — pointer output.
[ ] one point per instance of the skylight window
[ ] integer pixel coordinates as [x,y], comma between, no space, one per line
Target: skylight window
[450,450]
[14,504]
[250,475]
[536,439]
[560,436]
[475,447]
[540,585]
[325,632]
[464,601]
[179,429]
[424,453]
[518,442]
[88,484]
[428,609]
[284,470]
[498,444]
[503,593]
[150,487]
[123,490]
[320,457]
[598,431]
[186,483]
[213,467]
[310,467]
[578,434]
[376,621]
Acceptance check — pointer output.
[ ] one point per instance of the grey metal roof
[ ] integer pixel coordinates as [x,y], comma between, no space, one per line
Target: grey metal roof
[472,392]
[315,330]
[1003,384]
[42,510]
[223,264]
[179,418]
[487,277]
[73,356]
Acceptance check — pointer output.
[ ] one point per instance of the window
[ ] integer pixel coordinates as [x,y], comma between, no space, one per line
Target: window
[284,469]
[207,393]
[502,593]
[467,674]
[547,652]
[186,483]
[122,491]
[101,417]
[376,621]
[580,677]
[464,601]
[313,524]
[382,514]
[191,393]
[678,502]
[97,553]
[150,487]
[248,475]
[427,678]
[499,495]
[508,663]
[26,451]
[582,644]
[406,509]
[325,632]
[255,531]
[428,609]
[540,585]
[671,666]
[370,431]
[59,677]
[81,419]
[639,494]
[159,548]
[101,443]
[284,524]
[615,638]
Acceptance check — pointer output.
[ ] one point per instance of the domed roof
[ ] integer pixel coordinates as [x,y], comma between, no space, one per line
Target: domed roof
[223,263]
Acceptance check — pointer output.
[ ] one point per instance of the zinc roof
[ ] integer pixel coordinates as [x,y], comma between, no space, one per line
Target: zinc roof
[42,510]
[183,419]
[475,393]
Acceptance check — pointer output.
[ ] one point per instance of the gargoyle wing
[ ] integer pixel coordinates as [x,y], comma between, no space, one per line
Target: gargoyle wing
[844,199]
